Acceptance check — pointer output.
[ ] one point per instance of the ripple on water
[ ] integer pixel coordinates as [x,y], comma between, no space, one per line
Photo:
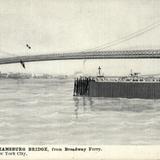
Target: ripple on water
[45,112]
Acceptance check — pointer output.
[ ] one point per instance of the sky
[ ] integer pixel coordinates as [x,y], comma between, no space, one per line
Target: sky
[51,26]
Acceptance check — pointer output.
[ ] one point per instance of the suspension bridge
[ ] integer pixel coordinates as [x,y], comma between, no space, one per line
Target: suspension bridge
[100,52]
[124,54]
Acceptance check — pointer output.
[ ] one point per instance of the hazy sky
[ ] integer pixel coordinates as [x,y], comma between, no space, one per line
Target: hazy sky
[77,25]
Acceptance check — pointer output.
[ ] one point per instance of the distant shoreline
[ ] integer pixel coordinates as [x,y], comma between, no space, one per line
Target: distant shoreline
[30,76]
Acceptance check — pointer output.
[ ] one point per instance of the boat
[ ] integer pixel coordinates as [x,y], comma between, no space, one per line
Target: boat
[133,85]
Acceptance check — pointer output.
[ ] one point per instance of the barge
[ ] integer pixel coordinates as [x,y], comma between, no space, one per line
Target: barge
[132,86]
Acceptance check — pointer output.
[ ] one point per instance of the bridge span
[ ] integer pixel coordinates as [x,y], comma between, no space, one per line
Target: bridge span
[124,54]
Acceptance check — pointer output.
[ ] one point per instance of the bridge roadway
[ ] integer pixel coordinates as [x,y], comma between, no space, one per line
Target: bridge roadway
[126,54]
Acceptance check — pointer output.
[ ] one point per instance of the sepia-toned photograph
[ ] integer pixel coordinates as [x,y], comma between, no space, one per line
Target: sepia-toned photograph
[79,72]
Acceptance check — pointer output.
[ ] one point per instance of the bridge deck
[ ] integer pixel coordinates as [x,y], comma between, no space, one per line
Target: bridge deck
[128,54]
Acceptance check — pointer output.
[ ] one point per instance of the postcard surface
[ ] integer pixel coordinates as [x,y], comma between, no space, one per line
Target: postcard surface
[79,79]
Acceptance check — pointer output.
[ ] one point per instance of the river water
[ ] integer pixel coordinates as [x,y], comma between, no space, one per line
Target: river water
[44,111]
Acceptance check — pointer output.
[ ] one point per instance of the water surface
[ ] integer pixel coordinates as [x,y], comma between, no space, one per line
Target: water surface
[44,111]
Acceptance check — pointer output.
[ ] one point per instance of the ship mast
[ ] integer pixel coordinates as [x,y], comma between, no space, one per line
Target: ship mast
[99,71]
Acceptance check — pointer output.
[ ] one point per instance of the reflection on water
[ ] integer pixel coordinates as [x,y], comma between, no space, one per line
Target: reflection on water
[76,100]
[83,102]
[113,104]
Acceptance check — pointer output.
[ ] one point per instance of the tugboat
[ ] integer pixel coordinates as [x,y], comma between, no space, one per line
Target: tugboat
[132,86]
